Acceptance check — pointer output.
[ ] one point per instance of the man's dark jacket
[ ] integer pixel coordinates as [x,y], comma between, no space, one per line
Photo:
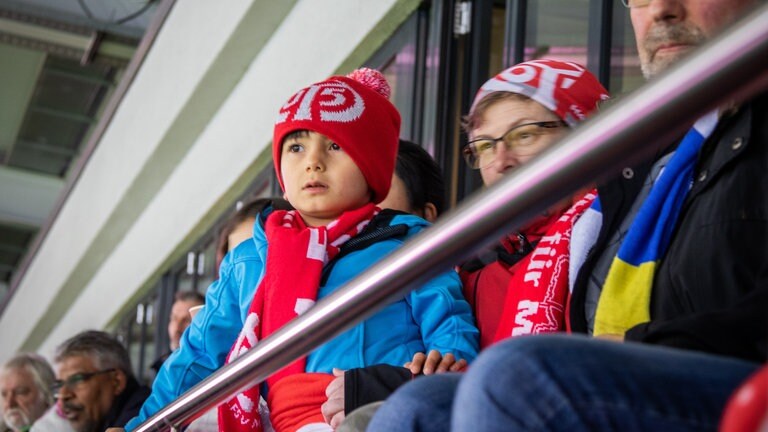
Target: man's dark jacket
[710,292]
[126,405]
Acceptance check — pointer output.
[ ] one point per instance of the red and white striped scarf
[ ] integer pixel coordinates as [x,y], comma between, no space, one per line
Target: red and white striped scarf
[296,256]
[538,291]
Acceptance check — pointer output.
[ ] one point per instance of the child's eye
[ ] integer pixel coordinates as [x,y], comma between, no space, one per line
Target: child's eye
[294,148]
[334,146]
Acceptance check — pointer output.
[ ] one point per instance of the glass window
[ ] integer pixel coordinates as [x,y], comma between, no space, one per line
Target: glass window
[149,332]
[498,24]
[625,64]
[557,29]
[185,276]
[138,332]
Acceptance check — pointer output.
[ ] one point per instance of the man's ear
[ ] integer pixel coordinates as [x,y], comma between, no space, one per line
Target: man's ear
[430,212]
[120,381]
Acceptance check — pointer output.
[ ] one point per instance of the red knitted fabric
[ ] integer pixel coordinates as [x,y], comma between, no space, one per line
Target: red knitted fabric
[538,291]
[565,88]
[355,115]
[295,400]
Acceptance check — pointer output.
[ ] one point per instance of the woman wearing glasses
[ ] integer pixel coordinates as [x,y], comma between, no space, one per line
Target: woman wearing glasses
[520,287]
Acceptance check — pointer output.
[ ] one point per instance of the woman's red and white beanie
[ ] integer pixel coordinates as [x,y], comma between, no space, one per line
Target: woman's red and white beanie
[354,112]
[565,88]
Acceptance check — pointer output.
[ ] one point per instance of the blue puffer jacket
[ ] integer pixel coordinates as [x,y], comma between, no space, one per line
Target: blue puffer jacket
[435,316]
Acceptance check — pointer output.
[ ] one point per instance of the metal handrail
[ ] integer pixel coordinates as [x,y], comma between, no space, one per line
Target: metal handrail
[734,64]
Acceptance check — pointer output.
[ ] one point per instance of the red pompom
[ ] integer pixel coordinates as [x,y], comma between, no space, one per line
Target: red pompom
[372,79]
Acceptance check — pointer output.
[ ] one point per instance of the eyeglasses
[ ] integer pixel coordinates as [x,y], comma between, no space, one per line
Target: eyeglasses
[74,381]
[635,3]
[522,139]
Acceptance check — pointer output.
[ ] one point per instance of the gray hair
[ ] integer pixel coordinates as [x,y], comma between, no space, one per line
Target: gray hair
[103,349]
[38,367]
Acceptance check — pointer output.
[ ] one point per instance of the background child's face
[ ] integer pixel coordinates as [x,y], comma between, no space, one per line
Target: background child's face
[321,181]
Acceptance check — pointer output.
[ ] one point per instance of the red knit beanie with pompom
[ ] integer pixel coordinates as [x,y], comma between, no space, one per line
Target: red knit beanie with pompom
[354,112]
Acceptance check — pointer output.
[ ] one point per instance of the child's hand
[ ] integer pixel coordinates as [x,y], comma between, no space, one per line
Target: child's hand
[434,363]
[333,408]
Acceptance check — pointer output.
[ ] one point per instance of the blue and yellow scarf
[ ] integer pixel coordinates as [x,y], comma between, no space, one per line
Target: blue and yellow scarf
[626,297]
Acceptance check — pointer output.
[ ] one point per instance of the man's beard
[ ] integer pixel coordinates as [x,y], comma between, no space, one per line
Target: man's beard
[664,34]
[16,419]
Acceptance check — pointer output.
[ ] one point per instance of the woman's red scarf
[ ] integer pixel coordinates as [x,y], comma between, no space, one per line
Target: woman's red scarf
[538,291]
[296,256]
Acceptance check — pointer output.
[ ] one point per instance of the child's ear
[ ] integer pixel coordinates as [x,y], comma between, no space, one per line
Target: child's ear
[430,212]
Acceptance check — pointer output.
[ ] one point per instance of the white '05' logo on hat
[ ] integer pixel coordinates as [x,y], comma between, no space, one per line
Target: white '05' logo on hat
[336,101]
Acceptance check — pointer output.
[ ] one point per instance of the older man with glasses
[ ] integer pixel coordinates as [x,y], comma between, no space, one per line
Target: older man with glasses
[95,386]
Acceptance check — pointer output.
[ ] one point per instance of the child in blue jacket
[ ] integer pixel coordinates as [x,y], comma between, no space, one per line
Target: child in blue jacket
[334,151]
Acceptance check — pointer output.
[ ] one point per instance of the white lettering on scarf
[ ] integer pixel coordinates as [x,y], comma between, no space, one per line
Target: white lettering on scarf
[532,271]
[245,402]
[249,333]
[316,247]
[238,414]
[524,308]
[303,305]
[533,274]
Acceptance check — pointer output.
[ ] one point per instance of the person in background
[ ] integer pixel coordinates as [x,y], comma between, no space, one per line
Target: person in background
[417,186]
[96,386]
[680,321]
[178,321]
[239,226]
[25,392]
[180,317]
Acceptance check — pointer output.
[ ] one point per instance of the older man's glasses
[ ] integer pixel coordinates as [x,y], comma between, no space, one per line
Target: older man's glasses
[76,380]
[635,3]
[523,140]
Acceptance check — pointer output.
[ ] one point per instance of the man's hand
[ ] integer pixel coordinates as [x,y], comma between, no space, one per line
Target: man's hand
[333,408]
[434,363]
[115,430]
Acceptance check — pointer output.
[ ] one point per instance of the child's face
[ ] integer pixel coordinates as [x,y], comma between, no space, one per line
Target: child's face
[321,181]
